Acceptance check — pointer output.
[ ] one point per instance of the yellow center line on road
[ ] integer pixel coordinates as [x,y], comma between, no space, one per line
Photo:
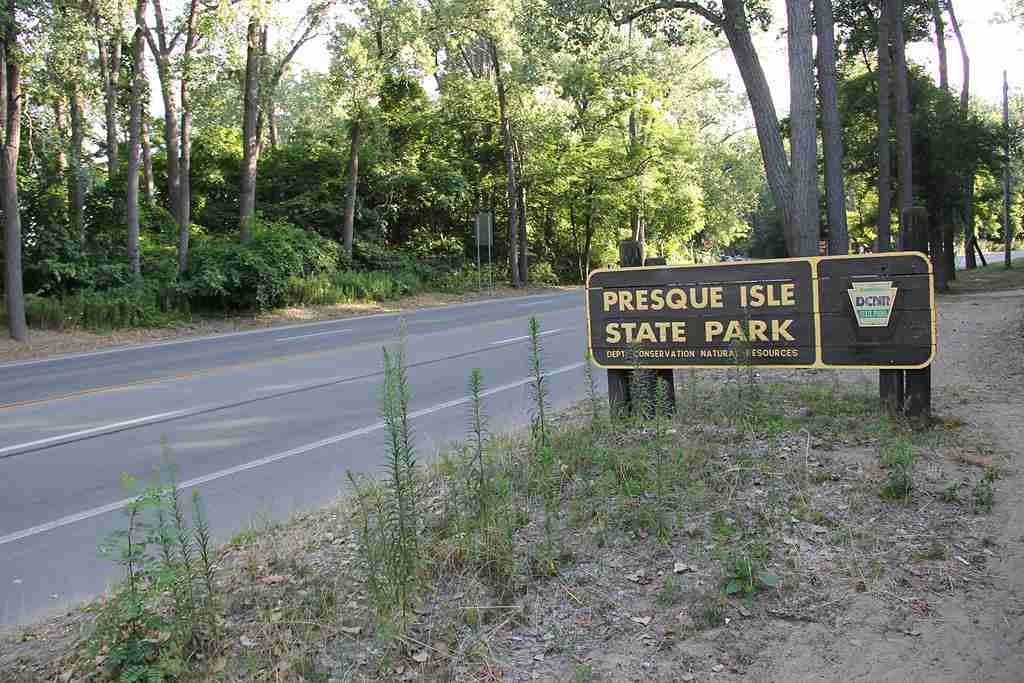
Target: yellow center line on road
[160,380]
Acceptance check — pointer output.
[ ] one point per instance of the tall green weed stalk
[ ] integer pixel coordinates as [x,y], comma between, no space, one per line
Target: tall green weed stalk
[402,513]
[165,615]
[538,385]
[477,432]
[548,471]
[593,399]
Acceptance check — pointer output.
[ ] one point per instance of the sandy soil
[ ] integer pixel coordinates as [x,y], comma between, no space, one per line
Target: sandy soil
[971,635]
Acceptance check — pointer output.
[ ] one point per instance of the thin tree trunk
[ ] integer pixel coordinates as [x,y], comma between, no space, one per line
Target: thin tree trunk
[10,92]
[902,88]
[634,208]
[111,70]
[766,120]
[524,265]
[945,181]
[147,158]
[138,93]
[250,139]
[60,162]
[185,167]
[171,141]
[76,189]
[510,167]
[831,129]
[185,187]
[970,260]
[884,127]
[940,44]
[348,226]
[1007,219]
[272,120]
[804,138]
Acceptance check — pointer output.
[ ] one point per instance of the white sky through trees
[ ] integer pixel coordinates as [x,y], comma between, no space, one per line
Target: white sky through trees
[991,45]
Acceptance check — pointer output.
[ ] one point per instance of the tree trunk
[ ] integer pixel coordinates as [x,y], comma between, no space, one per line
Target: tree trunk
[250,139]
[831,129]
[147,158]
[111,70]
[634,208]
[1007,218]
[76,189]
[510,167]
[970,260]
[60,162]
[946,182]
[10,92]
[185,186]
[804,138]
[524,266]
[347,228]
[185,167]
[940,44]
[171,139]
[272,122]
[904,151]
[884,127]
[138,92]
[766,120]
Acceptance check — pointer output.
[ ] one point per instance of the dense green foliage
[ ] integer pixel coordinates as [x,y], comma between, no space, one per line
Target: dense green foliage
[612,131]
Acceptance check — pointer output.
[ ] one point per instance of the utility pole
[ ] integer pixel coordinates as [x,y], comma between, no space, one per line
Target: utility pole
[1007,229]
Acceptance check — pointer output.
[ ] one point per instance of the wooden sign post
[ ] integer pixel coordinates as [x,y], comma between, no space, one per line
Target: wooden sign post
[858,311]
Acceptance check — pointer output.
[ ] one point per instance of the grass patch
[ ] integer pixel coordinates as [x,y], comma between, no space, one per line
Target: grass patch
[991,278]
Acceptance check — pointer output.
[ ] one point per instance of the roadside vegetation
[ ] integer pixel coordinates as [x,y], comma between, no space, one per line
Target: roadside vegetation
[991,278]
[580,548]
[565,126]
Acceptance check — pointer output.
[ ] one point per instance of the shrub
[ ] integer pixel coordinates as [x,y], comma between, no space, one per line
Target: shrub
[142,304]
[225,274]
[542,274]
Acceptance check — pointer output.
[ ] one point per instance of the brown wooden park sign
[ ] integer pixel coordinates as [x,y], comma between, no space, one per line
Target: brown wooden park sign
[858,311]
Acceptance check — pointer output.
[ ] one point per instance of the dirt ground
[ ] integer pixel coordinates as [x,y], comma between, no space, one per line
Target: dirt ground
[971,635]
[44,343]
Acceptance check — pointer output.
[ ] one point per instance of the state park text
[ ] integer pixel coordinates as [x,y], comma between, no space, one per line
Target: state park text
[867,311]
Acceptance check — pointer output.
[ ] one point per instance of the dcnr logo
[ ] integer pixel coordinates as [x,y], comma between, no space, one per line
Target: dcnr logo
[872,302]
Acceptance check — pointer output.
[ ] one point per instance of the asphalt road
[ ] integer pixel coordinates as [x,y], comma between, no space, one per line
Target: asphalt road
[993,257]
[262,423]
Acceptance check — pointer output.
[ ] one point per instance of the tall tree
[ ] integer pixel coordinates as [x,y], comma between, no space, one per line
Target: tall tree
[804,135]
[970,261]
[884,127]
[177,133]
[512,181]
[831,128]
[10,137]
[901,83]
[946,183]
[1007,218]
[109,33]
[258,96]
[147,153]
[255,48]
[733,19]
[940,43]
[76,172]
[139,86]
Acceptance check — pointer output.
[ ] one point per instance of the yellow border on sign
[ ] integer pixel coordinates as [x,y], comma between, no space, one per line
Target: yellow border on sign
[816,312]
